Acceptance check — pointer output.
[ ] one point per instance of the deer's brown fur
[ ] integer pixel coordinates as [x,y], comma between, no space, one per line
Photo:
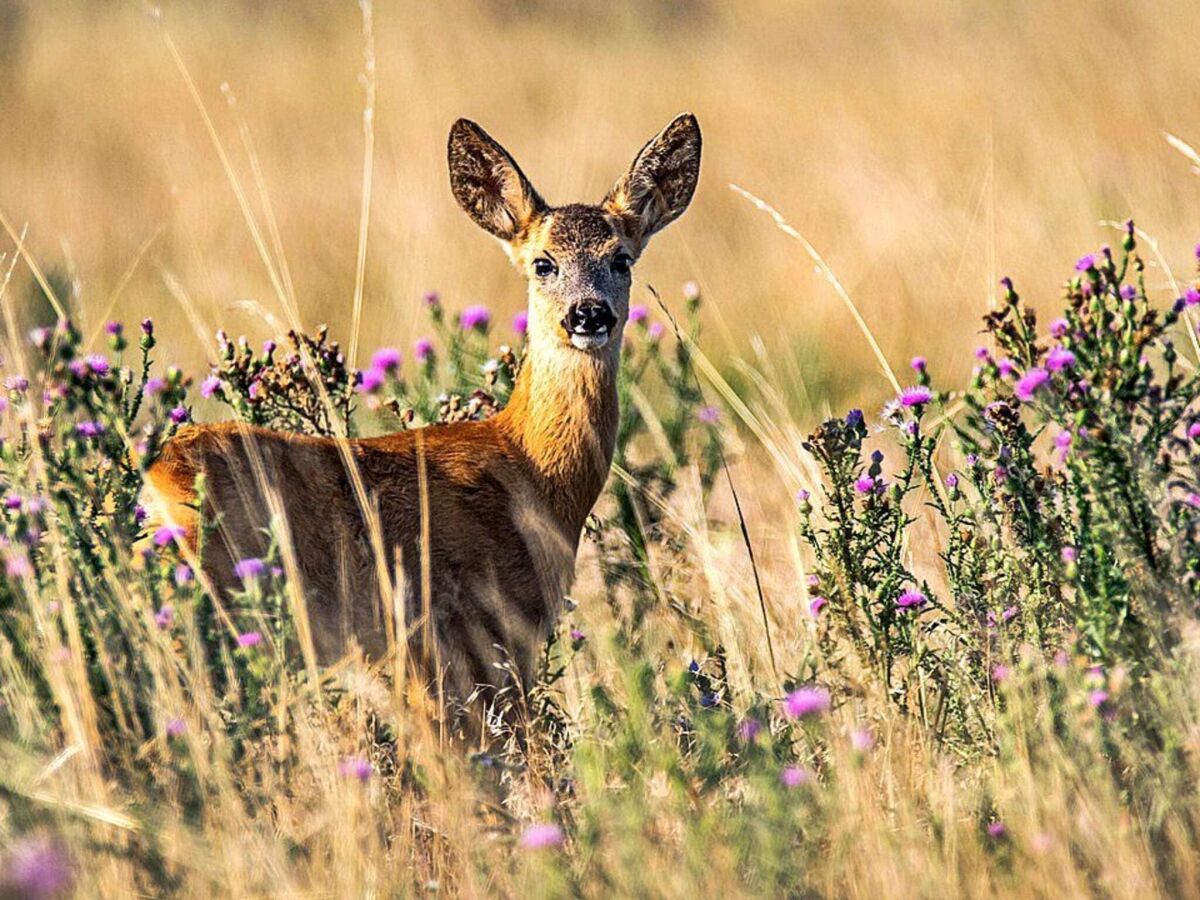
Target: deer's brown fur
[507,497]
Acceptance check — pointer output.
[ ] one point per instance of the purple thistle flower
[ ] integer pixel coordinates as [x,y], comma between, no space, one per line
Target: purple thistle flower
[249,639]
[183,574]
[17,566]
[577,635]
[17,383]
[176,727]
[1193,431]
[952,481]
[708,415]
[179,415]
[1059,358]
[911,599]
[147,327]
[1059,327]
[806,702]
[638,313]
[476,317]
[1193,499]
[542,836]
[356,767]
[40,337]
[165,617]
[749,729]
[38,869]
[520,323]
[155,385]
[78,368]
[168,534]
[802,496]
[793,776]
[915,396]
[816,605]
[249,568]
[114,328]
[865,484]
[1000,672]
[1010,613]
[691,291]
[1191,297]
[1085,263]
[996,830]
[387,359]
[1128,292]
[210,386]
[918,364]
[89,429]
[1097,698]
[140,514]
[1006,367]
[422,348]
[98,364]
[862,740]
[655,331]
[1029,384]
[370,380]
[1069,554]
[13,502]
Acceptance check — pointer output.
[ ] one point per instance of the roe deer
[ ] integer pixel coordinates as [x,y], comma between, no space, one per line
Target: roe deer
[505,498]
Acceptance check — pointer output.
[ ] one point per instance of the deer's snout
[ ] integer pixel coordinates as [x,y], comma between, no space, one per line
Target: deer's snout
[589,324]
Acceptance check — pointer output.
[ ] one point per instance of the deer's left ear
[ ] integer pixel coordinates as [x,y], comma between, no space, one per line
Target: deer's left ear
[659,185]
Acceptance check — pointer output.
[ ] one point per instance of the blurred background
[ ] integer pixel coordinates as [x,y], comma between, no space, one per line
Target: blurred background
[925,149]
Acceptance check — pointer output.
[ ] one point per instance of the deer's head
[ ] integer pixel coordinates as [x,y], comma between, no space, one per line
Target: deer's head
[578,258]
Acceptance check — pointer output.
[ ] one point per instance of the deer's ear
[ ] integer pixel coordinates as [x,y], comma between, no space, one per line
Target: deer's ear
[659,185]
[488,184]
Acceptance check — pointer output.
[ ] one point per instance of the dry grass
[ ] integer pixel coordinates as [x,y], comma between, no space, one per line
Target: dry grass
[923,149]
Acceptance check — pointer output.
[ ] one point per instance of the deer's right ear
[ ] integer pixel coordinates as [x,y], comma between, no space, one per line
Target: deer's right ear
[488,184]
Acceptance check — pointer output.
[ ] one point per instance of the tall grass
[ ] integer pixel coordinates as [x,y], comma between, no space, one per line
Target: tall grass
[1013,714]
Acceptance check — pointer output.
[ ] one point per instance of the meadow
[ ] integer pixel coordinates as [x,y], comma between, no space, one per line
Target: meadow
[893,587]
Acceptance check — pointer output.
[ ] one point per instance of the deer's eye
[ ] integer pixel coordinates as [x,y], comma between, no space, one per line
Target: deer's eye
[622,263]
[543,267]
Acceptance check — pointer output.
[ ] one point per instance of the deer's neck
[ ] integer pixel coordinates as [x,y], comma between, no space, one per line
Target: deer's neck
[563,415]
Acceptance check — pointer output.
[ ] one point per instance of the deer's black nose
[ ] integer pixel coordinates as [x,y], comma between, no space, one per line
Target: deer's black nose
[591,317]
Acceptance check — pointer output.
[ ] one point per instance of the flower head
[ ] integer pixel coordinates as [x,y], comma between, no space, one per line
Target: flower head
[655,331]
[1085,263]
[691,291]
[749,729]
[89,429]
[168,534]
[865,484]
[476,317]
[176,727]
[1060,358]
[249,568]
[996,830]
[422,348]
[915,396]
[370,380]
[249,639]
[862,740]
[793,776]
[1029,383]
[806,702]
[387,359]
[1059,328]
[911,599]
[179,415]
[541,836]
[164,617]
[708,415]
[520,323]
[355,767]
[38,869]
[638,313]
[815,605]
[918,364]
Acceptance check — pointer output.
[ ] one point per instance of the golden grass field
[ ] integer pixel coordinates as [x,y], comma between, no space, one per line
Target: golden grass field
[924,149]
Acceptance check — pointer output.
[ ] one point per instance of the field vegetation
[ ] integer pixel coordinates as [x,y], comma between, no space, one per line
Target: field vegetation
[893,588]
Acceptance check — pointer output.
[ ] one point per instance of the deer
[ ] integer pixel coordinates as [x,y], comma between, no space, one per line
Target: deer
[479,522]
